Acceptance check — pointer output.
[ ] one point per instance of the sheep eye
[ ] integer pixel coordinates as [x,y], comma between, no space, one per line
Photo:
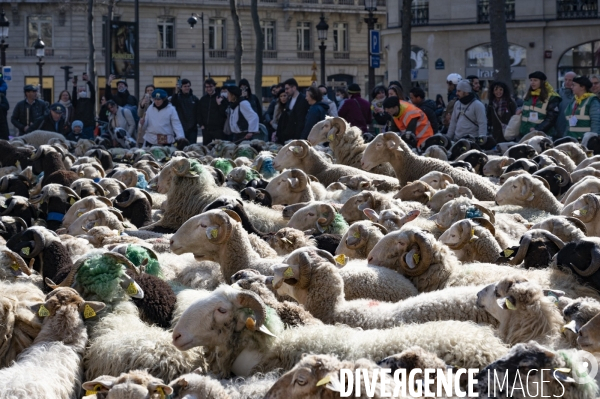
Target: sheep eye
[514,186]
[202,225]
[300,382]
[311,214]
[221,310]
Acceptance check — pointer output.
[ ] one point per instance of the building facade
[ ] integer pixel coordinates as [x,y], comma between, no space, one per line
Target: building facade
[170,50]
[554,36]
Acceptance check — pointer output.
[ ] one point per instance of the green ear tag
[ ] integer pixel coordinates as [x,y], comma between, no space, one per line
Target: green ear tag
[416,258]
[356,234]
[43,312]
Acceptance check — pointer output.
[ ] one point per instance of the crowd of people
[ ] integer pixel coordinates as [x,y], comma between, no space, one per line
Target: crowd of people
[232,112]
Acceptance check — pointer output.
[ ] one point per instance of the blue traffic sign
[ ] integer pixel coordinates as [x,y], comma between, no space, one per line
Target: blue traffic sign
[7,73]
[375,61]
[375,41]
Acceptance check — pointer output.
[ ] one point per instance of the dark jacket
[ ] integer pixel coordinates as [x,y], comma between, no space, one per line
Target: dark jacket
[85,108]
[495,120]
[212,115]
[121,99]
[365,109]
[103,113]
[429,107]
[48,124]
[316,113]
[257,107]
[297,117]
[351,112]
[4,107]
[25,114]
[187,109]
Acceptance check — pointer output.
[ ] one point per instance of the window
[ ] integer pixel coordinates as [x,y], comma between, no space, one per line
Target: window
[39,26]
[216,34]
[268,28]
[340,37]
[303,36]
[166,33]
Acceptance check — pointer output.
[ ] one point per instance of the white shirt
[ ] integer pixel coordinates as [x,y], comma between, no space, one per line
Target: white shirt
[164,121]
[246,109]
[293,101]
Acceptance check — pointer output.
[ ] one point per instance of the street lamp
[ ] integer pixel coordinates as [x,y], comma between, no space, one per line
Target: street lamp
[322,28]
[39,52]
[4,24]
[370,7]
[193,20]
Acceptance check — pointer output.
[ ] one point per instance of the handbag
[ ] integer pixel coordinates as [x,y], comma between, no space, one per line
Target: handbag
[513,128]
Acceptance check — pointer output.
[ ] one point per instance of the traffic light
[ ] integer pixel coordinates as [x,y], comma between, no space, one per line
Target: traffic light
[68,75]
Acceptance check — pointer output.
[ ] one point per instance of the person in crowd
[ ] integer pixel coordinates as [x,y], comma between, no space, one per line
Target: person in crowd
[64,98]
[120,117]
[243,121]
[145,101]
[161,125]
[499,110]
[104,112]
[54,121]
[595,79]
[476,85]
[268,115]
[540,106]
[186,104]
[255,102]
[212,111]
[396,91]
[365,106]
[566,98]
[583,113]
[452,81]
[280,118]
[123,97]
[380,117]
[440,105]
[333,112]
[76,131]
[4,107]
[349,109]
[341,95]
[408,118]
[298,108]
[417,97]
[28,111]
[84,102]
[316,112]
[468,116]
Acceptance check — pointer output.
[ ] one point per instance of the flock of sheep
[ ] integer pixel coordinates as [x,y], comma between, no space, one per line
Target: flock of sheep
[259,270]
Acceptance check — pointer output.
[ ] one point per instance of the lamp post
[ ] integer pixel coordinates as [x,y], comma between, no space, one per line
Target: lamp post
[4,24]
[39,52]
[193,20]
[370,7]
[322,28]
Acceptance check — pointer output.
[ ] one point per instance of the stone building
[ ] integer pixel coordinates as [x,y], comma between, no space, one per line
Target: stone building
[170,50]
[554,36]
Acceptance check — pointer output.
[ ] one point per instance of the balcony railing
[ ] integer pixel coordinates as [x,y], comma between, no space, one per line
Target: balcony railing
[341,55]
[217,53]
[30,52]
[420,14]
[575,9]
[483,11]
[269,54]
[166,53]
[268,1]
[346,2]
[305,55]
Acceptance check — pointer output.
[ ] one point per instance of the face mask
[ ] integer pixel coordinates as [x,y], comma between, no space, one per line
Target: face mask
[122,90]
[83,94]
[338,98]
[224,95]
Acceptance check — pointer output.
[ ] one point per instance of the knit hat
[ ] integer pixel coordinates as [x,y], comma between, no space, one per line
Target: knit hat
[76,123]
[538,75]
[583,81]
[235,90]
[123,81]
[159,94]
[391,102]
[354,88]
[465,86]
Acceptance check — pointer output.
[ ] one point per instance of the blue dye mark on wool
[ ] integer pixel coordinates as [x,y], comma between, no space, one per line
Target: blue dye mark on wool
[55,216]
[267,169]
[141,181]
[473,213]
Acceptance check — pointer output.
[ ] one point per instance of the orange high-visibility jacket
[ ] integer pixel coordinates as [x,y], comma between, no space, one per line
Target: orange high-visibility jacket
[407,113]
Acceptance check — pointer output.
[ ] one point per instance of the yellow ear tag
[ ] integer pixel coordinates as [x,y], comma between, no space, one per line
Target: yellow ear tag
[214,233]
[79,214]
[14,266]
[8,196]
[472,232]
[26,250]
[131,289]
[563,370]
[32,156]
[43,312]
[250,324]
[96,389]
[356,234]
[508,252]
[341,259]
[88,311]
[161,392]
[324,381]
[416,258]
[72,201]
[288,273]
[583,211]
[330,137]
[510,305]
[18,164]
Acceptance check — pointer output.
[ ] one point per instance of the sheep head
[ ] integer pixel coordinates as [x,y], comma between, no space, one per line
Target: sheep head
[134,384]
[109,217]
[463,232]
[354,242]
[391,219]
[577,313]
[418,191]
[356,182]
[130,195]
[13,265]
[495,167]
[205,234]
[458,209]
[589,336]
[541,245]
[445,195]
[286,240]
[64,297]
[437,152]
[65,194]
[89,170]
[437,180]
[86,187]
[583,258]
[352,210]
[82,206]
[291,154]
[566,228]
[317,214]
[409,251]
[288,187]
[319,132]
[31,242]
[226,311]
[384,148]
[112,187]
[586,208]
[517,190]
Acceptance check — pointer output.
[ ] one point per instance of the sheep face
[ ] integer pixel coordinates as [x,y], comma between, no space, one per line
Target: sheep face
[317,215]
[291,155]
[352,210]
[441,197]
[391,219]
[382,149]
[318,134]
[65,297]
[112,187]
[495,167]
[89,170]
[586,208]
[82,206]
[96,217]
[288,188]
[418,191]
[136,384]
[454,211]
[287,240]
[517,190]
[507,295]
[203,235]
[354,243]
[459,234]
[589,335]
[437,180]
[356,182]
[65,194]
[408,250]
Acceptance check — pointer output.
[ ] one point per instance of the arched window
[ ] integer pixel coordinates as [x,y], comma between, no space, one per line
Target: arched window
[583,59]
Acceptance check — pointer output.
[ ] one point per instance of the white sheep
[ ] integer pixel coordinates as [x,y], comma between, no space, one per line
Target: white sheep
[109,217]
[320,216]
[196,385]
[135,384]
[587,209]
[526,191]
[437,180]
[589,184]
[82,206]
[566,228]
[472,240]
[360,238]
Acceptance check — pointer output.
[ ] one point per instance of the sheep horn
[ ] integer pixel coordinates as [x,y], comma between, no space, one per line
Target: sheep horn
[98,188]
[465,191]
[18,260]
[483,222]
[354,242]
[4,183]
[305,270]
[181,167]
[488,212]
[142,171]
[594,265]
[69,190]
[38,153]
[134,195]
[559,243]
[329,212]
[104,200]
[11,206]
[564,175]
[248,299]
[578,223]
[258,162]
[100,169]
[369,201]
[381,227]
[39,243]
[221,221]
[593,206]
[302,180]
[123,259]
[148,196]
[68,281]
[544,181]
[233,215]
[425,254]
[523,247]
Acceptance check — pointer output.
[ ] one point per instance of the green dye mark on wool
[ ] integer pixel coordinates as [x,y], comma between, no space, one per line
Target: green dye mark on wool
[252,174]
[272,321]
[137,254]
[246,152]
[101,275]
[339,225]
[224,165]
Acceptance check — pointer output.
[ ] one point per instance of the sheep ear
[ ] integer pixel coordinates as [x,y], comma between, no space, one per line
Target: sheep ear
[391,145]
[100,384]
[162,390]
[89,308]
[371,214]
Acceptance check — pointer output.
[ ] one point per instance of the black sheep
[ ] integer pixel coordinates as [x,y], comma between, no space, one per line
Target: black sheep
[236,205]
[136,205]
[16,184]
[563,140]
[159,300]
[536,249]
[9,155]
[583,259]
[50,161]
[436,139]
[477,160]
[20,207]
[558,179]
[103,156]
[11,226]
[257,183]
[328,242]
[55,200]
[521,151]
[460,147]
[259,196]
[591,141]
[523,164]
[464,165]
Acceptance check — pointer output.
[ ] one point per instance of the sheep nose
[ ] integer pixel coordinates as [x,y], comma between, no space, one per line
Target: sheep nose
[370,259]
[171,241]
[176,336]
